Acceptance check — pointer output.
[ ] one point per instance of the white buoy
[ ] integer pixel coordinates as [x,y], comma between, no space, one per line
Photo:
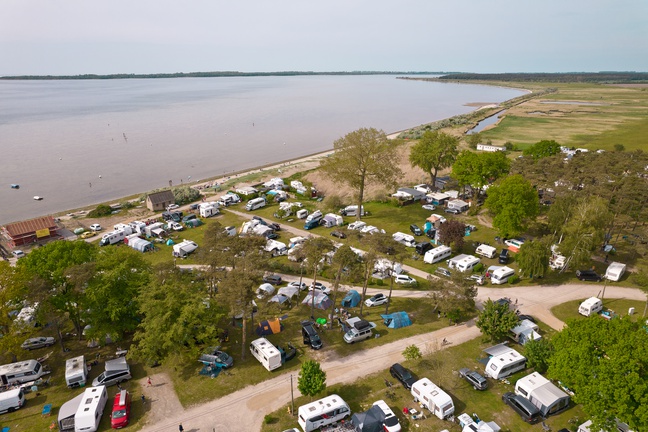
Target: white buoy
[99,176]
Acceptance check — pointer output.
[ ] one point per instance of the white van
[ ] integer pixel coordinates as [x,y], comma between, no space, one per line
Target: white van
[11,400]
[20,372]
[591,306]
[433,398]
[615,271]
[359,330]
[501,275]
[267,354]
[437,254]
[255,203]
[76,372]
[486,251]
[117,370]
[323,412]
[88,415]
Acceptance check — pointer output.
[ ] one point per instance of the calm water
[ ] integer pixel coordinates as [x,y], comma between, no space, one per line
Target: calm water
[486,122]
[83,142]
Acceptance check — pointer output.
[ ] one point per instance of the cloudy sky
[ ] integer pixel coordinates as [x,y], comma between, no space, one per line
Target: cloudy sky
[147,36]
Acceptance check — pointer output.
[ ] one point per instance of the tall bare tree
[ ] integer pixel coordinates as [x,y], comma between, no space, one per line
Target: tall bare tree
[362,157]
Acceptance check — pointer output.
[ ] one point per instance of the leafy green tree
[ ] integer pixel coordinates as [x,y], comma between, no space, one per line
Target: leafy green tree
[533,258]
[12,293]
[604,363]
[542,149]
[215,254]
[313,251]
[514,202]
[112,293]
[312,379]
[452,234]
[454,298]
[412,352]
[537,353]
[495,320]
[343,260]
[433,152]
[473,140]
[478,170]
[584,231]
[362,157]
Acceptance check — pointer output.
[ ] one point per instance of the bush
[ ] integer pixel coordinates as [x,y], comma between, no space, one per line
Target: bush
[268,419]
[478,268]
[100,211]
[513,279]
[333,203]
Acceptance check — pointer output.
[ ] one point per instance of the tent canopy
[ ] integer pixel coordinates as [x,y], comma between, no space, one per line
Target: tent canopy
[288,291]
[369,421]
[322,301]
[352,299]
[268,327]
[397,320]
[279,298]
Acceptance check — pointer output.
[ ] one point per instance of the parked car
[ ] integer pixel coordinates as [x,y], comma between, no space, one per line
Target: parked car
[194,206]
[443,272]
[526,317]
[272,279]
[95,227]
[522,406]
[222,357]
[474,378]
[120,416]
[403,375]
[588,275]
[189,217]
[452,211]
[175,226]
[416,230]
[405,279]
[338,234]
[172,207]
[376,300]
[422,247]
[310,335]
[504,256]
[320,287]
[479,279]
[37,342]
[390,424]
[296,284]
[87,234]
[271,235]
[503,301]
[428,207]
[18,253]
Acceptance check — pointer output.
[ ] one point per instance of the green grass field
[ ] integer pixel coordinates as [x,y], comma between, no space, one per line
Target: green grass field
[569,310]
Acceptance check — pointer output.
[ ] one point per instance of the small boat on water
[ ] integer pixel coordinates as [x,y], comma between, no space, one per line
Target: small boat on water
[15,186]
[38,198]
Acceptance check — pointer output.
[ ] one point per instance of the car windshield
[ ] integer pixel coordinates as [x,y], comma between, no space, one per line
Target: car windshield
[119,414]
[406,374]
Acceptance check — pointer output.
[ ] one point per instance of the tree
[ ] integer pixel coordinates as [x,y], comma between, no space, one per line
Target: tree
[533,258]
[362,157]
[537,353]
[513,202]
[389,250]
[478,170]
[496,319]
[454,298]
[343,260]
[542,149]
[312,379]
[313,252]
[12,294]
[433,152]
[473,140]
[412,352]
[584,231]
[604,363]
[452,233]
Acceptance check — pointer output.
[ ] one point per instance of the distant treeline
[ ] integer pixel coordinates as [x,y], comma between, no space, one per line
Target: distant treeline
[575,77]
[204,75]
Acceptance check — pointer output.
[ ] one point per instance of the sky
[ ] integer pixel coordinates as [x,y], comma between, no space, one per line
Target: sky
[70,37]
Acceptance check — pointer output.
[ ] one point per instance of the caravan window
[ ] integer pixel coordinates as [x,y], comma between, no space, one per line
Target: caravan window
[524,392]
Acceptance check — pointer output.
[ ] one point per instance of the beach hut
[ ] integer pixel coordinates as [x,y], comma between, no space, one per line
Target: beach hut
[396,320]
[352,299]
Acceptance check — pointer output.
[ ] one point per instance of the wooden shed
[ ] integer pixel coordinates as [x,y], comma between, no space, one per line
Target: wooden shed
[159,201]
[30,231]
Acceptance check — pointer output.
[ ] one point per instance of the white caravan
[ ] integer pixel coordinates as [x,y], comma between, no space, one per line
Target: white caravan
[503,362]
[463,262]
[255,203]
[267,354]
[615,271]
[486,251]
[323,412]
[405,239]
[76,372]
[591,306]
[437,254]
[433,398]
[20,372]
[88,415]
[501,275]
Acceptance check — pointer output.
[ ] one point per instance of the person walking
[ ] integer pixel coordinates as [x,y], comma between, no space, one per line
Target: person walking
[180,428]
[148,382]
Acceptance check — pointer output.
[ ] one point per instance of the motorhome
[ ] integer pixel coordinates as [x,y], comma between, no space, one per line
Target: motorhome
[358,330]
[591,306]
[208,209]
[267,354]
[406,239]
[116,236]
[276,248]
[313,220]
[615,271]
[323,412]
[501,275]
[229,199]
[437,254]
[11,400]
[76,372]
[88,415]
[486,251]
[463,262]
[20,372]
[255,203]
[184,248]
[433,398]
[116,371]
[352,210]
[504,361]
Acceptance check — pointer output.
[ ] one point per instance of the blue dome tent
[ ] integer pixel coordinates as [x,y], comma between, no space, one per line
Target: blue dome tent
[352,299]
[397,320]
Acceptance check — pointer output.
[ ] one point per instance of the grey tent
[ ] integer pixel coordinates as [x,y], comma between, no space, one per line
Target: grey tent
[288,291]
[322,301]
[352,299]
[397,320]
[279,298]
[369,421]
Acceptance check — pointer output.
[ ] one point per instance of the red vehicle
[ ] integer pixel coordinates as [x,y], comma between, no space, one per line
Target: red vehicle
[121,410]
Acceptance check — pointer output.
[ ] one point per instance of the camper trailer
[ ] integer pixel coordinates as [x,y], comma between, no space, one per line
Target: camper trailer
[591,306]
[255,204]
[525,331]
[184,248]
[437,254]
[463,262]
[20,372]
[155,229]
[276,248]
[542,393]
[11,400]
[76,372]
[433,398]
[486,251]
[615,271]
[323,412]
[137,227]
[229,199]
[267,354]
[90,410]
[116,236]
[208,209]
[504,361]
[501,275]
[406,239]
[352,210]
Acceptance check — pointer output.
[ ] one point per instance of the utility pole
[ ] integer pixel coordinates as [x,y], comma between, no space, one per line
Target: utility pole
[292,397]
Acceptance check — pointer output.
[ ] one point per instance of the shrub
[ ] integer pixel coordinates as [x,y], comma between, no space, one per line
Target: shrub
[101,210]
[513,279]
[478,268]
[412,352]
